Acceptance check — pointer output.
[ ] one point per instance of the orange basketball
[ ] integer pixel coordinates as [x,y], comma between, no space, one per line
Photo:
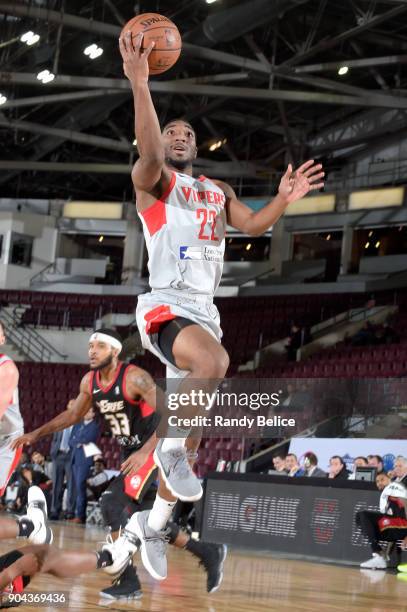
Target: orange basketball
[164,33]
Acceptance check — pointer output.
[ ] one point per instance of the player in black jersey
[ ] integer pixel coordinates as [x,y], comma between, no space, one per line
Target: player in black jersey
[125,396]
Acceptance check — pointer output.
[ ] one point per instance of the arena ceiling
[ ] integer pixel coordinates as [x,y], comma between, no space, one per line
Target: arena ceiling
[261,75]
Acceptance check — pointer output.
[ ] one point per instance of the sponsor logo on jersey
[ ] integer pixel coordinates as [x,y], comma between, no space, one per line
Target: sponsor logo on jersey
[106,406]
[128,440]
[206,253]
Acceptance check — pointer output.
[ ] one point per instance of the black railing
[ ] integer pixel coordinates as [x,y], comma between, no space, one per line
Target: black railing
[28,341]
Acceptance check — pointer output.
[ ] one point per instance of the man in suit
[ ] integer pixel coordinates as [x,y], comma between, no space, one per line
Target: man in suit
[311,466]
[61,455]
[83,433]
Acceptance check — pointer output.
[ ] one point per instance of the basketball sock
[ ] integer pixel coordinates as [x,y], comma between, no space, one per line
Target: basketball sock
[25,527]
[103,559]
[160,513]
[171,443]
[195,547]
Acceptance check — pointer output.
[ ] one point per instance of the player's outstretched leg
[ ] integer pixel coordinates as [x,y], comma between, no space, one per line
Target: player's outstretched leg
[33,525]
[194,350]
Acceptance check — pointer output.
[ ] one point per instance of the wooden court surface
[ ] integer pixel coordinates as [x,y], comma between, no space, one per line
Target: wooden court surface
[252,582]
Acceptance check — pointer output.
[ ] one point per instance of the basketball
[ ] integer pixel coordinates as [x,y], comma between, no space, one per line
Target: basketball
[164,33]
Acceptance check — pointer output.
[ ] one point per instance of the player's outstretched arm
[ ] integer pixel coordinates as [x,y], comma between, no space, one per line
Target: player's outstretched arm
[149,172]
[63,420]
[8,384]
[293,186]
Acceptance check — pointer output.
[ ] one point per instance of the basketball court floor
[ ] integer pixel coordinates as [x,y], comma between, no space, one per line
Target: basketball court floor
[252,582]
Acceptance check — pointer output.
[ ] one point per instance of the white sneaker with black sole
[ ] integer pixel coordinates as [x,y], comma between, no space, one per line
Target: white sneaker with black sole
[122,550]
[37,514]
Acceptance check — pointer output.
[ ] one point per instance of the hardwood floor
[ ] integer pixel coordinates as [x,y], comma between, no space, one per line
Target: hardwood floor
[252,582]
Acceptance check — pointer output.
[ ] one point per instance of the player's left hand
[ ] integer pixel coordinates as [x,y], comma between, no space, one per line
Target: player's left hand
[295,184]
[134,462]
[404,544]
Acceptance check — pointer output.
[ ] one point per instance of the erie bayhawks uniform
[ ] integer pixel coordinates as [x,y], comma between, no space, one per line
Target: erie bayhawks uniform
[11,426]
[185,236]
[132,423]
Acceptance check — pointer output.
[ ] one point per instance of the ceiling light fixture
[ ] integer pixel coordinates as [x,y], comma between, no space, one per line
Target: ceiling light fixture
[29,38]
[45,76]
[93,51]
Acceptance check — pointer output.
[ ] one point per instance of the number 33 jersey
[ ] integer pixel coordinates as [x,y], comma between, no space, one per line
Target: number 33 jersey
[185,235]
[131,421]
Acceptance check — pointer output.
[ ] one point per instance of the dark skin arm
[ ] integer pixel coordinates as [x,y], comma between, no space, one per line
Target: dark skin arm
[25,566]
[293,186]
[140,384]
[149,174]
[63,420]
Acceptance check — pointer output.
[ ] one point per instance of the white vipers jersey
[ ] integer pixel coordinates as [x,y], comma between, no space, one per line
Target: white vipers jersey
[185,235]
[12,421]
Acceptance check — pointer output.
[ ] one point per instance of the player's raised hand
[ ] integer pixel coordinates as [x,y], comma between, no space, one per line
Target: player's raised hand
[295,184]
[135,58]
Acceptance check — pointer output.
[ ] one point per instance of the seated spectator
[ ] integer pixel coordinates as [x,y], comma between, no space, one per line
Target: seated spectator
[365,336]
[29,477]
[337,468]
[98,480]
[376,461]
[382,480]
[390,524]
[400,470]
[292,466]
[279,463]
[358,462]
[38,462]
[386,334]
[311,466]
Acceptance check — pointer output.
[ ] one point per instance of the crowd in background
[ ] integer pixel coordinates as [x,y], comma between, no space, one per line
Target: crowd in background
[69,480]
[289,465]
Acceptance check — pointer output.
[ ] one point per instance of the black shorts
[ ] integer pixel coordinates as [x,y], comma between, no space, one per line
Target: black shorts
[128,494]
[8,559]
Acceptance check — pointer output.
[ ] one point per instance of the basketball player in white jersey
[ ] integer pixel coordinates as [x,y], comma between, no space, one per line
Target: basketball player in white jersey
[184,221]
[11,422]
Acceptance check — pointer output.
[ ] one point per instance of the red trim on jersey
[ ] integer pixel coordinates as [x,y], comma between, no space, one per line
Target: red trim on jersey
[92,376]
[144,408]
[156,317]
[134,483]
[110,385]
[14,463]
[396,500]
[155,215]
[7,361]
[18,585]
[388,522]
[124,390]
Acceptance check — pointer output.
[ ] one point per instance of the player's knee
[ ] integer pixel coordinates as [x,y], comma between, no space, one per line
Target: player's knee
[212,365]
